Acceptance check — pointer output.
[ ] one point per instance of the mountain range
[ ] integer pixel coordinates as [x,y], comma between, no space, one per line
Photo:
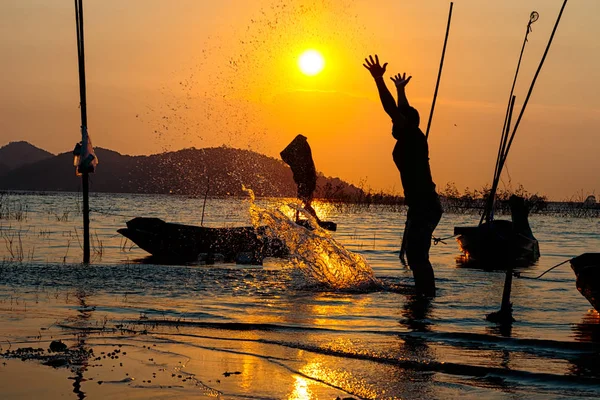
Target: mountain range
[218,170]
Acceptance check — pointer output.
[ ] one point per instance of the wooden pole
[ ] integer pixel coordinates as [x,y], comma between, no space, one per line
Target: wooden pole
[530,91]
[504,316]
[205,197]
[488,213]
[505,313]
[437,84]
[537,72]
[506,306]
[84,135]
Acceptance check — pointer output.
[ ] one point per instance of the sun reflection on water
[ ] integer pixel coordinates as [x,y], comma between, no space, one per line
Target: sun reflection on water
[301,390]
[326,307]
[339,378]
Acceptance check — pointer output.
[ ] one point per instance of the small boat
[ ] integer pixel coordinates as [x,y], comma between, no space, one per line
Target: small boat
[496,242]
[500,241]
[587,271]
[185,243]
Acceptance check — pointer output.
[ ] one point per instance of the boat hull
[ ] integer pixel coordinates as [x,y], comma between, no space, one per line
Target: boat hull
[587,271]
[186,243]
[496,243]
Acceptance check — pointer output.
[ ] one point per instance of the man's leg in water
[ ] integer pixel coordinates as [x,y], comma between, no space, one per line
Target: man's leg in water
[420,227]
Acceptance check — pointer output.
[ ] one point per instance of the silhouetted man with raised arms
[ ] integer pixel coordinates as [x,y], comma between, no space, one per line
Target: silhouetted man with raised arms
[411,156]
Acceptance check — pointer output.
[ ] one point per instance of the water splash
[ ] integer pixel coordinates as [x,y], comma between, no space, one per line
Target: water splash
[320,260]
[224,92]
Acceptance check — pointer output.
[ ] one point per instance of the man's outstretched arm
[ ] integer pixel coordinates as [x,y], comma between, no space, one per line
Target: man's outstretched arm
[400,81]
[387,100]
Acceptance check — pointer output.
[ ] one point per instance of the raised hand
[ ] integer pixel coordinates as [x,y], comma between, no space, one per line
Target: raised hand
[400,80]
[374,67]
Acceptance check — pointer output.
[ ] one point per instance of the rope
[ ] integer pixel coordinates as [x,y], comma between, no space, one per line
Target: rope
[441,240]
[518,275]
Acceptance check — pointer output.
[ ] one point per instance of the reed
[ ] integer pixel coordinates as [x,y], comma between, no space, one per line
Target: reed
[12,209]
[97,246]
[64,217]
[14,246]
[469,201]
[67,251]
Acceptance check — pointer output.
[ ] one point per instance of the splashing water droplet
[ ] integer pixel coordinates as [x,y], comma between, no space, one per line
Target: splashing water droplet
[322,262]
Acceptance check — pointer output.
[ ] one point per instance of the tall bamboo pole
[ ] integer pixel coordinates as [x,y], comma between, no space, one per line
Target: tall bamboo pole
[505,314]
[437,84]
[488,213]
[84,134]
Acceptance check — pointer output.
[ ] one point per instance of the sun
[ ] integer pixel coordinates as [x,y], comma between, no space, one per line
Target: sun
[311,62]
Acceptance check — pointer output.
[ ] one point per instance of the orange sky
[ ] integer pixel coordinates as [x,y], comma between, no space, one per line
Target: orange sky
[172,74]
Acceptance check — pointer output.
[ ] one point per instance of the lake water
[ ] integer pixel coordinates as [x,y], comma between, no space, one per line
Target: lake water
[282,338]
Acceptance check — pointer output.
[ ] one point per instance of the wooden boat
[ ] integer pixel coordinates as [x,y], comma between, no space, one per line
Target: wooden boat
[185,243]
[500,241]
[497,241]
[587,271]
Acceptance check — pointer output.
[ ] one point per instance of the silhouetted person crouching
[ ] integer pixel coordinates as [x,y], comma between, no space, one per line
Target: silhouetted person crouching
[411,156]
[299,157]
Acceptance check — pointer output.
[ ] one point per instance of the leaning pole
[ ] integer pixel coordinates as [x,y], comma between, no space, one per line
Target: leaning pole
[439,77]
[82,167]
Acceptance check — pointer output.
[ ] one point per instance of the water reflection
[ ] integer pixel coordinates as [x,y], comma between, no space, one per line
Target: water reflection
[501,329]
[415,316]
[464,261]
[301,390]
[79,366]
[415,313]
[337,376]
[588,330]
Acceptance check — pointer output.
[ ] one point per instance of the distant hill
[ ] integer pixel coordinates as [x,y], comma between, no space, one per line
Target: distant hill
[222,170]
[17,154]
[3,169]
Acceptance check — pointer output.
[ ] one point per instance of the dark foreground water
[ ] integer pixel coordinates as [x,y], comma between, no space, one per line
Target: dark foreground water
[262,332]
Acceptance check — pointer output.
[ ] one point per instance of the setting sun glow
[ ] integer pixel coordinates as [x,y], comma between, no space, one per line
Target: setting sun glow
[311,62]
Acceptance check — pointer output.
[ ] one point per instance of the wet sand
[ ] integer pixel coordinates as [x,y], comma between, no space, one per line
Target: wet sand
[140,360]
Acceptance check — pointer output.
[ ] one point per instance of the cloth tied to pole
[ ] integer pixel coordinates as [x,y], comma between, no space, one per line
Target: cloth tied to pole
[84,157]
